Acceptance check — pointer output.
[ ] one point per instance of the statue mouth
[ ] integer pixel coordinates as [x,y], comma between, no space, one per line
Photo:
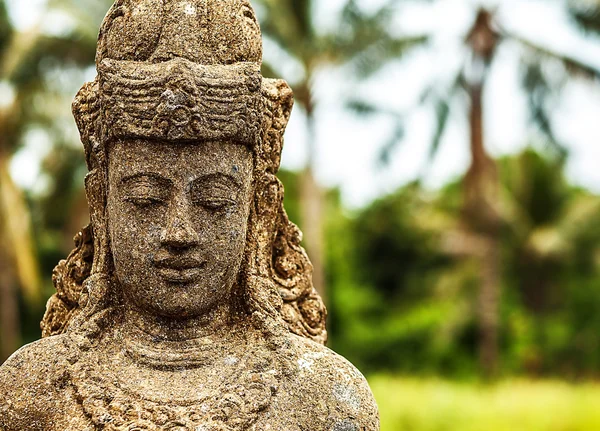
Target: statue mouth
[179,269]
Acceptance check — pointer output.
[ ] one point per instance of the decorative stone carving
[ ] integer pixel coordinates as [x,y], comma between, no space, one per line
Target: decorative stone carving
[187,304]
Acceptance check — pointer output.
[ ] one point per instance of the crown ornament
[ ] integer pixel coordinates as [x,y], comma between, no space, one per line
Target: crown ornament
[181,100]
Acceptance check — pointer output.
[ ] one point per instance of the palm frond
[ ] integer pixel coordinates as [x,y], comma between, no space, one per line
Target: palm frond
[362,107]
[392,143]
[283,24]
[586,14]
[268,71]
[70,50]
[372,58]
[367,41]
[572,64]
[538,92]
[302,11]
[365,108]
[441,104]
[442,113]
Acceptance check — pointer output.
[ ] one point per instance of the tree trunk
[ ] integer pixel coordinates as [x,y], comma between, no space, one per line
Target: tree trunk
[10,325]
[312,208]
[489,301]
[481,193]
[18,261]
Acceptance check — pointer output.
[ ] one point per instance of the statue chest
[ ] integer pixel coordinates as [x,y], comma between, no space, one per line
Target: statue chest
[230,397]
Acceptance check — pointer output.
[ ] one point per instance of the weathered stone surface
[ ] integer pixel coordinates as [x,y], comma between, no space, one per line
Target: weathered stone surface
[188,303]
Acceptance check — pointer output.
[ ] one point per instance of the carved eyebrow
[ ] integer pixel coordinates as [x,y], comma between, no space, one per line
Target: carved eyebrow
[221,178]
[146,176]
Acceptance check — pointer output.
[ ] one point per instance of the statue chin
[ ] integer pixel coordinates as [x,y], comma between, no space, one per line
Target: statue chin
[178,305]
[177,301]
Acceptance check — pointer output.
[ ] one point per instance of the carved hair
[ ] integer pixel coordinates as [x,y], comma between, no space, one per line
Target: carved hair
[276,275]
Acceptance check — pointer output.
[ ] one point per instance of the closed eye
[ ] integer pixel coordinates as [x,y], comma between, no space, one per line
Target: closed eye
[145,189]
[217,204]
[145,201]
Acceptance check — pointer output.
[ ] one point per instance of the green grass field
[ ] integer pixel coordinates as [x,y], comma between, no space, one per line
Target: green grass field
[437,405]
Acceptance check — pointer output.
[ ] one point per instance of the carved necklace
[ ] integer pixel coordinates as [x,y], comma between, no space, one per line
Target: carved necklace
[243,393]
[171,354]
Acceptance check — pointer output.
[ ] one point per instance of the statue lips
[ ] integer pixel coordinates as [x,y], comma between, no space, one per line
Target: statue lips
[181,269]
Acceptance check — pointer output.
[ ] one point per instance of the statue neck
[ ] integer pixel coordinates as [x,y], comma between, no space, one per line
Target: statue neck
[167,343]
[152,328]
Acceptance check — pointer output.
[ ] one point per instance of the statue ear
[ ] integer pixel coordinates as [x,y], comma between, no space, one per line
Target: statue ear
[86,110]
[91,244]
[277,240]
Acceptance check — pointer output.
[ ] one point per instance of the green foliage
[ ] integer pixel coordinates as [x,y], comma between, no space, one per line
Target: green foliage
[403,296]
[291,181]
[393,249]
[361,40]
[394,299]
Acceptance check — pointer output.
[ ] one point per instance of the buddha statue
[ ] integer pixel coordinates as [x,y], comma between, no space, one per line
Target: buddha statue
[187,303]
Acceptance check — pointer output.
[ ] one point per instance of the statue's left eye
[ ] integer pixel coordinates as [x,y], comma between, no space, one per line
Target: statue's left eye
[217,204]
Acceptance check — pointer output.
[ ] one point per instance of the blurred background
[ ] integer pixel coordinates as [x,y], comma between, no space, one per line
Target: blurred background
[443,161]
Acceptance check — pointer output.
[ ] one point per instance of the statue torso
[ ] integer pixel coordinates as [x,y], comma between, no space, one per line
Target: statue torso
[116,385]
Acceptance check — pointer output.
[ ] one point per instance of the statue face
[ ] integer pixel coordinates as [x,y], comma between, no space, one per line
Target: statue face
[177,217]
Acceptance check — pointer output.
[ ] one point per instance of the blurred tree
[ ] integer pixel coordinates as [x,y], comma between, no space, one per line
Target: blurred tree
[482,211]
[551,246]
[395,288]
[17,257]
[25,59]
[361,40]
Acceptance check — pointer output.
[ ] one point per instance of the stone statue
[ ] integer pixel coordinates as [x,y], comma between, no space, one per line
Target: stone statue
[187,304]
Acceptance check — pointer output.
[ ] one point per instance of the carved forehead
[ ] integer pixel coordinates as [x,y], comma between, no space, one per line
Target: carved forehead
[180,160]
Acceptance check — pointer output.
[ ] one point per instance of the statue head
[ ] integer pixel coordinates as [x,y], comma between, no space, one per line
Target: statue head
[183,139]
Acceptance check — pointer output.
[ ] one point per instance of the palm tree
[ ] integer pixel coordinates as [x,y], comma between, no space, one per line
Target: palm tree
[482,213]
[360,40]
[23,78]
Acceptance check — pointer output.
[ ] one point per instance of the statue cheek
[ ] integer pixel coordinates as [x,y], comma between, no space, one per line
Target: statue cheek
[133,243]
[133,228]
[235,235]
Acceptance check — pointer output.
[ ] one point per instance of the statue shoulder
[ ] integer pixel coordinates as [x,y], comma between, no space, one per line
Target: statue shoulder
[31,383]
[327,381]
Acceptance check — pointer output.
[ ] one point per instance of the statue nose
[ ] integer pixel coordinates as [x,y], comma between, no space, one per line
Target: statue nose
[179,232]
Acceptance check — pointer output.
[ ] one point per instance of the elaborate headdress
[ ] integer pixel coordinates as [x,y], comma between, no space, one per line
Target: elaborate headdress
[186,70]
